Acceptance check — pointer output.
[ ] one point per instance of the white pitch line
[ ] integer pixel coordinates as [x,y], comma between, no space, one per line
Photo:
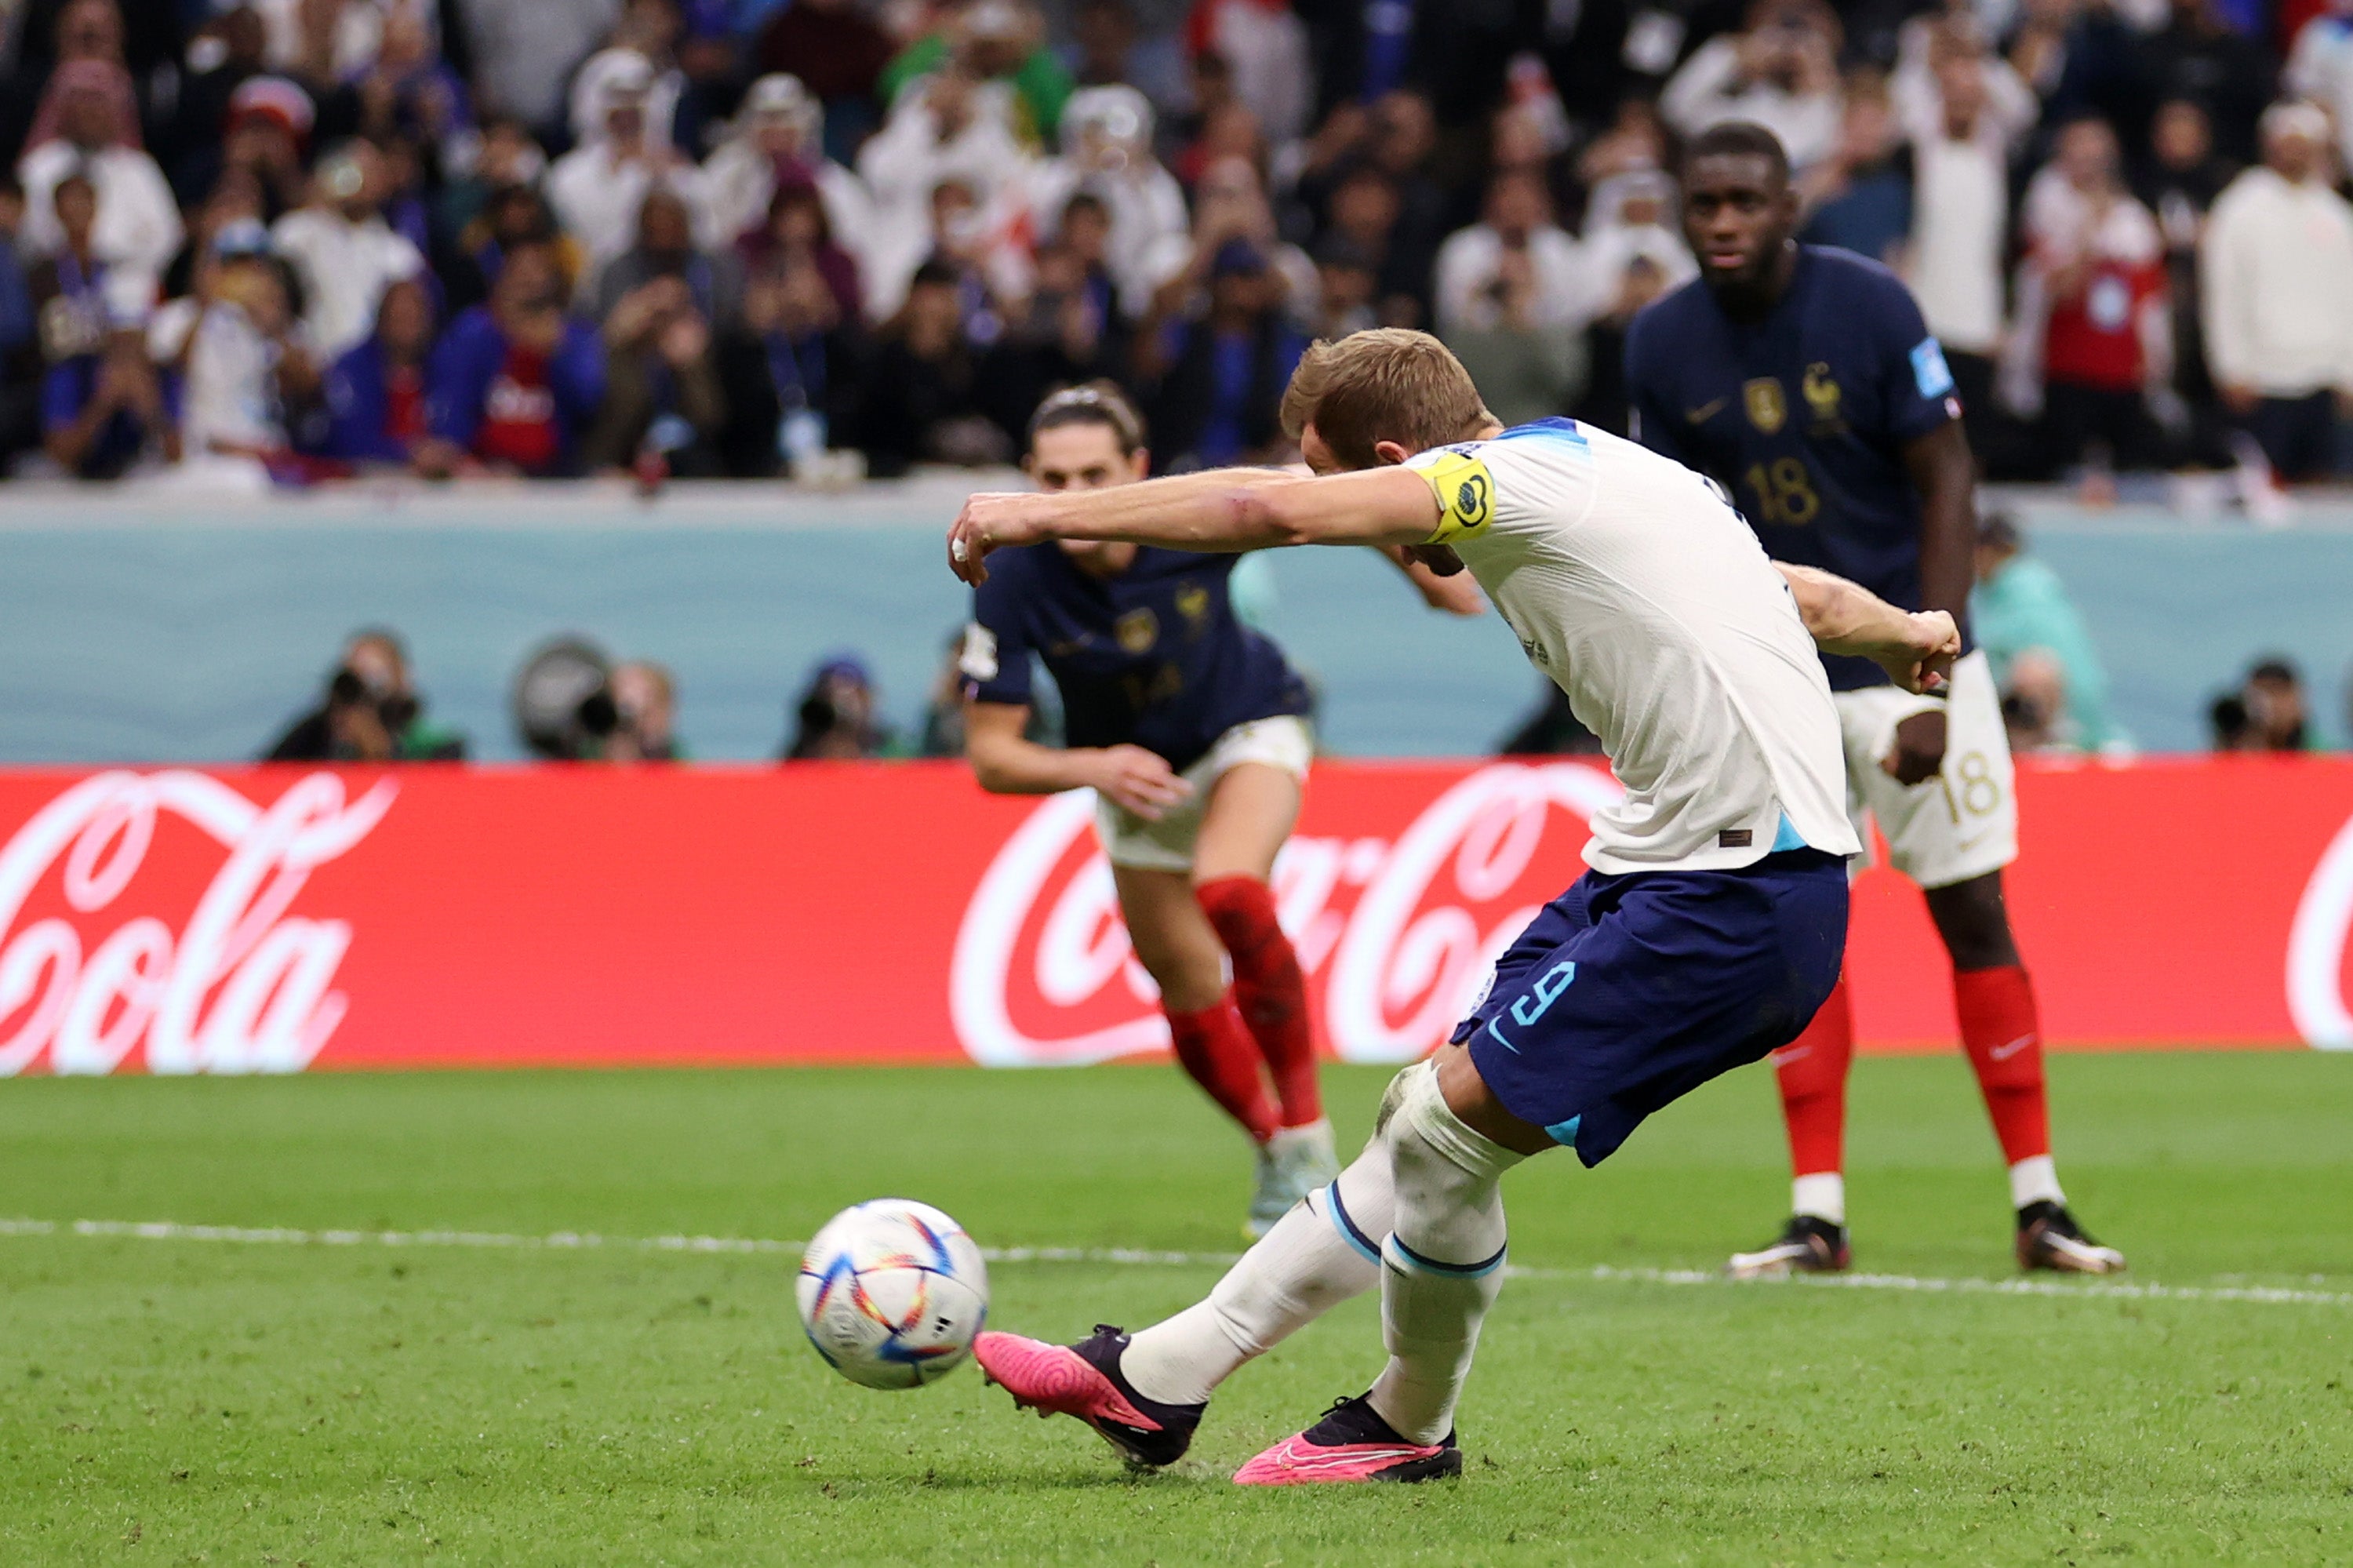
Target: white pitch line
[575,1241]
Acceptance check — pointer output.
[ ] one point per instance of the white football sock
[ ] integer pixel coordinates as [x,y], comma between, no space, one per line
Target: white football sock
[1821,1196]
[1443,1261]
[2035,1180]
[1317,1256]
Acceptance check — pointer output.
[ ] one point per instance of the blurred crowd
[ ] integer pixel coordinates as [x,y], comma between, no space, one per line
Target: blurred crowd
[294,240]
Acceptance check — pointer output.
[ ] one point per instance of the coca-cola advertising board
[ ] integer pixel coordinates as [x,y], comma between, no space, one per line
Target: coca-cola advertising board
[277,919]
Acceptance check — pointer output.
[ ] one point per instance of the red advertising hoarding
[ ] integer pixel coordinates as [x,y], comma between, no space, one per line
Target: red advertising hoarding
[276,919]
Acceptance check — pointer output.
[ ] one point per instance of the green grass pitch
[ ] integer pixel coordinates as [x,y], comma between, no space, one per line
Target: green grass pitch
[168,1401]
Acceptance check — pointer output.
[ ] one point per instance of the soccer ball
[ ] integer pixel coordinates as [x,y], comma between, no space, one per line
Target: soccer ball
[892,1293]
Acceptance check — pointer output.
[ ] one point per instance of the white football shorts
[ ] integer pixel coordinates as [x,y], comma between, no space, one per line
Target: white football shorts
[1960,825]
[1286,741]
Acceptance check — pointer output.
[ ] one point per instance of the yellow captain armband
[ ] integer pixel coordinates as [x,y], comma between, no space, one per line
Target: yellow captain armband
[1466,495]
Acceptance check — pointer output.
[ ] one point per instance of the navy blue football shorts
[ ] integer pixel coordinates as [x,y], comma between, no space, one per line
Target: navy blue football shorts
[1627,993]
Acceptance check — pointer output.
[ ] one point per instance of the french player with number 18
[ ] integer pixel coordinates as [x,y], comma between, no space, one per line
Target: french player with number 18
[1706,933]
[1803,379]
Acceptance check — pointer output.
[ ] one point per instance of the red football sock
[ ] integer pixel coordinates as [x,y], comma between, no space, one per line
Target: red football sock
[1216,1049]
[1811,1070]
[2002,1033]
[1269,988]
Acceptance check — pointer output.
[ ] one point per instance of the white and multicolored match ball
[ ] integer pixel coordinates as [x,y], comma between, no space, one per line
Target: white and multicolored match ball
[892,1293]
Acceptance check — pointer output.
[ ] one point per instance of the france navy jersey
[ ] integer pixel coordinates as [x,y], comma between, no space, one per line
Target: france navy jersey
[1802,417]
[1152,657]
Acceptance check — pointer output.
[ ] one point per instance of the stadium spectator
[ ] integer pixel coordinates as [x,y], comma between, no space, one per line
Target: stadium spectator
[1106,153]
[341,250]
[2278,263]
[2266,713]
[778,141]
[1513,299]
[1630,224]
[1515,248]
[2198,56]
[67,289]
[88,125]
[640,48]
[2320,69]
[1230,203]
[923,399]
[662,409]
[597,188]
[2179,183]
[791,374]
[992,266]
[372,712]
[1001,44]
[1263,51]
[800,232]
[375,396]
[1218,375]
[948,128]
[1070,332]
[1781,72]
[838,54]
[408,92]
[500,156]
[835,720]
[1860,196]
[2043,656]
[104,411]
[2093,327]
[247,360]
[268,126]
[513,384]
[1959,228]
[514,215]
[666,248]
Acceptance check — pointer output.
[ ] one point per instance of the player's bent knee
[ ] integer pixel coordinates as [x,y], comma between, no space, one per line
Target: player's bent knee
[1468,1097]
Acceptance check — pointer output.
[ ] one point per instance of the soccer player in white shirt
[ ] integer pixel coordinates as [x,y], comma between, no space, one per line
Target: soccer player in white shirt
[1705,935]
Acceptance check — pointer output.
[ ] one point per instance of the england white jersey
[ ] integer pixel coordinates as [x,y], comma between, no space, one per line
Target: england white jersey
[1630,582]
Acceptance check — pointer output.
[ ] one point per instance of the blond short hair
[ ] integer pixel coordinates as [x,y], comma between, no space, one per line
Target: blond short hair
[1385,385]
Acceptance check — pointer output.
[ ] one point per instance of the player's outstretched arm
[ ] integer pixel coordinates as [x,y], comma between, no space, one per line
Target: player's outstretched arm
[1006,763]
[1222,511]
[1916,647]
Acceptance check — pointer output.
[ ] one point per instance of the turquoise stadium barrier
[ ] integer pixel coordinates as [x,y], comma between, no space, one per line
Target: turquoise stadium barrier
[134,627]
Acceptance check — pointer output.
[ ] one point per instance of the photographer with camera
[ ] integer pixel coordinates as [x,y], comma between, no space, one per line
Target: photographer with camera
[371,713]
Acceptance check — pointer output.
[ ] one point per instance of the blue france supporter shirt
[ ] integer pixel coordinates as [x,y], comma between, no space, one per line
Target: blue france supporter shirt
[1152,657]
[1802,417]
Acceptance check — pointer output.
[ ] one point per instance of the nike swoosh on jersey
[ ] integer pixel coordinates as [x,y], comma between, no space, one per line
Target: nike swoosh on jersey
[2004,1053]
[1706,411]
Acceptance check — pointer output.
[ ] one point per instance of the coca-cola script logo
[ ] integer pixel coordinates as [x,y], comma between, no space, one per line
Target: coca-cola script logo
[2317,949]
[242,986]
[1396,934]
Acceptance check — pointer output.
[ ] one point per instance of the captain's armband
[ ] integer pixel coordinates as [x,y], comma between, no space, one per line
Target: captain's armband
[1465,492]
